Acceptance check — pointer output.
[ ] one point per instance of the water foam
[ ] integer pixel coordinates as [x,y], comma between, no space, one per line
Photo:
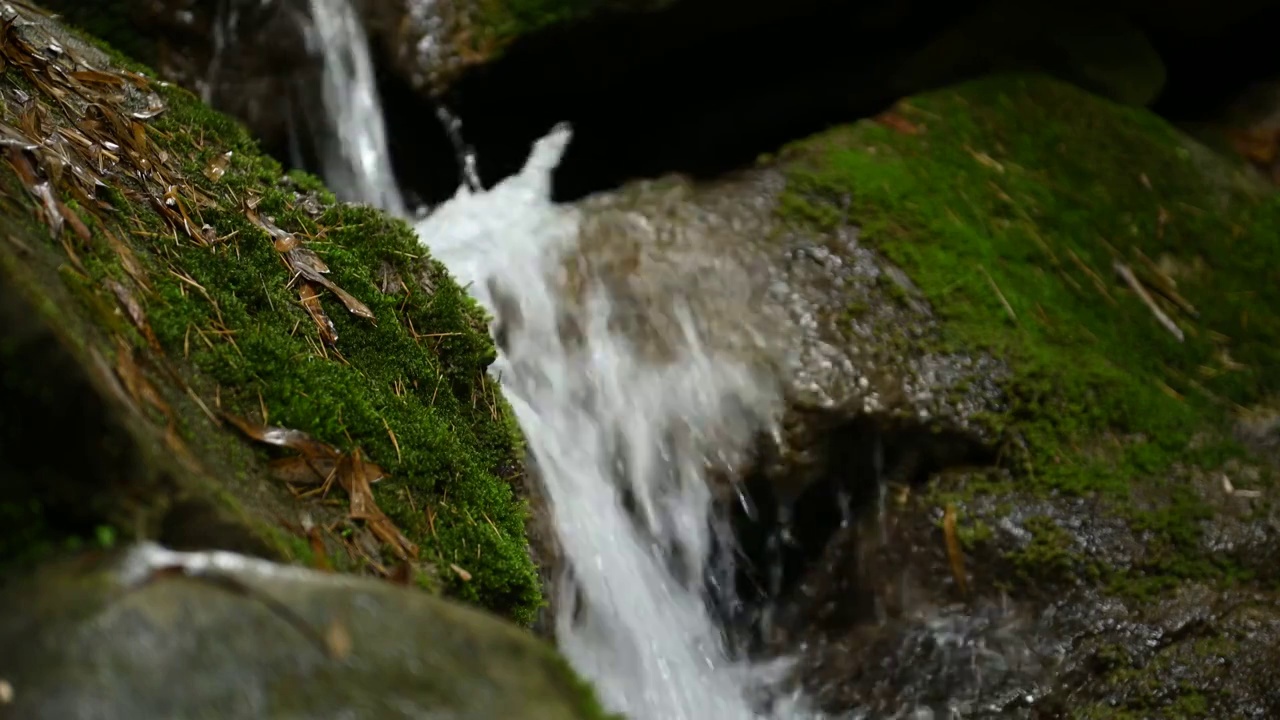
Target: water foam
[354,155]
[621,441]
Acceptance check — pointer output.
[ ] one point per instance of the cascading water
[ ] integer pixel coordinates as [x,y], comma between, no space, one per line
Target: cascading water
[353,145]
[621,442]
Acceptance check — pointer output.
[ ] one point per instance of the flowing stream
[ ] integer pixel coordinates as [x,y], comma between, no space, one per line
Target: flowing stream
[354,154]
[620,442]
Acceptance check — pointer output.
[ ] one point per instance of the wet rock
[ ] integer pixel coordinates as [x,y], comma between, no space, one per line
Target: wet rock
[836,330]
[1121,535]
[968,509]
[147,633]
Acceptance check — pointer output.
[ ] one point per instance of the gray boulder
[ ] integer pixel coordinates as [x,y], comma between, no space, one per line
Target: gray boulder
[150,633]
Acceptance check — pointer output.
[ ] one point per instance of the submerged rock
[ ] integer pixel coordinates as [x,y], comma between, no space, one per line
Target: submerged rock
[1026,381]
[147,633]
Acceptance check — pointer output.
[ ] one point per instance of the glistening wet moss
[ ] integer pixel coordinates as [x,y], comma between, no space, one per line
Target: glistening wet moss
[1007,200]
[409,389]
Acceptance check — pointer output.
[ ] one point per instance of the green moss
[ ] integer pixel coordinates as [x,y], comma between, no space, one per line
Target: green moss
[431,392]
[1143,681]
[497,23]
[409,389]
[1049,557]
[1026,188]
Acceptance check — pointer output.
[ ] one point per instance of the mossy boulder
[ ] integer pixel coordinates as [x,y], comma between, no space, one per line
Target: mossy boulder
[170,272]
[1028,338]
[1123,276]
[160,287]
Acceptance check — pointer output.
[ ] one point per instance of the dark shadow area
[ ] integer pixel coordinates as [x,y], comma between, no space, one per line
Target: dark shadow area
[422,155]
[1208,73]
[779,539]
[708,86]
[195,524]
[699,89]
[63,452]
[74,470]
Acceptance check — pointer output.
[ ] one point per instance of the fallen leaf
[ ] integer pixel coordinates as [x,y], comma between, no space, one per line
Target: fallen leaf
[353,305]
[310,298]
[402,574]
[154,107]
[305,262]
[134,310]
[136,383]
[351,476]
[172,199]
[39,188]
[985,160]
[299,470]
[128,260]
[77,225]
[356,481]
[98,77]
[217,167]
[283,240]
[894,121]
[11,137]
[295,440]
[312,268]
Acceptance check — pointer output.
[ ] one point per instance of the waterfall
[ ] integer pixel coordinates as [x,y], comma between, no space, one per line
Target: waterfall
[620,441]
[355,159]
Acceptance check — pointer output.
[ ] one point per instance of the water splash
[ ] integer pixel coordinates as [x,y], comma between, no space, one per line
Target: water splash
[465,154]
[354,154]
[621,440]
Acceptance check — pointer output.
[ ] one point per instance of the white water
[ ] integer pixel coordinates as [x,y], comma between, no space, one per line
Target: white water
[354,156]
[598,418]
[602,418]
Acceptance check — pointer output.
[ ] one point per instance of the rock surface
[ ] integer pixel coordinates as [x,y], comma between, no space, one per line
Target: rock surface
[1003,488]
[146,633]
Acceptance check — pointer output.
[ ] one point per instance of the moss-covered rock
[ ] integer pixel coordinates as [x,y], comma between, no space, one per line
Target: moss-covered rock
[1124,276]
[161,268]
[1013,217]
[944,290]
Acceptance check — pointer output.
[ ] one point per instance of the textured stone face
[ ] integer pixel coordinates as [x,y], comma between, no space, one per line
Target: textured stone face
[964,516]
[147,633]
